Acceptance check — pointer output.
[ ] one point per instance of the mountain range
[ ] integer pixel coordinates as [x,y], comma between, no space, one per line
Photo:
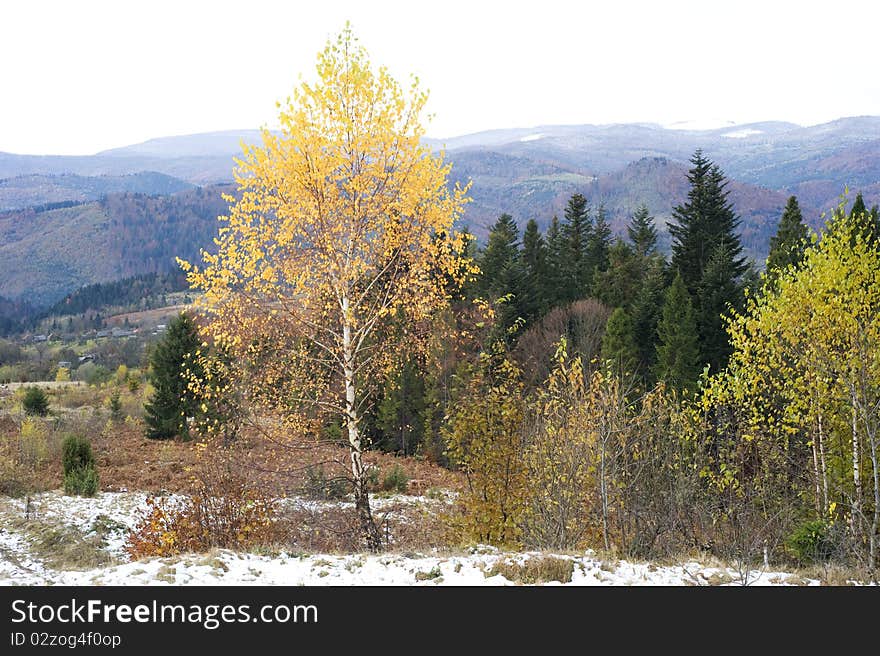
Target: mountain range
[71,221]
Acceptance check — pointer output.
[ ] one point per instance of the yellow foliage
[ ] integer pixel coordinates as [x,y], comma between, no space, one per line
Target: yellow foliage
[486,439]
[803,385]
[339,242]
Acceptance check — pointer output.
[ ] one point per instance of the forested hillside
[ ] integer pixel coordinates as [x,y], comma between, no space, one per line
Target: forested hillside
[46,255]
[41,190]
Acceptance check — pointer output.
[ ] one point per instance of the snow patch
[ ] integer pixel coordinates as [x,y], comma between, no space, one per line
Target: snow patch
[532,137]
[18,565]
[742,134]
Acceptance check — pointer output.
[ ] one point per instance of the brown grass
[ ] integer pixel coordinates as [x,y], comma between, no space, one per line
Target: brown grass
[127,460]
[534,570]
[63,547]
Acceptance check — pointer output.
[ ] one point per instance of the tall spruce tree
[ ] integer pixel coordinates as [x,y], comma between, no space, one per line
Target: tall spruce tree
[702,223]
[400,415]
[703,227]
[618,284]
[678,351]
[788,244]
[534,264]
[599,242]
[575,266]
[502,272]
[642,232]
[647,308]
[499,256]
[555,264]
[718,293]
[858,207]
[869,221]
[165,414]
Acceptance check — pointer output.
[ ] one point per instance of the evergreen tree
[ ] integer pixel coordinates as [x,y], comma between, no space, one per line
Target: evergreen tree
[868,221]
[702,223]
[618,343]
[499,256]
[575,266]
[859,208]
[534,263]
[642,233]
[678,352]
[788,244]
[647,309]
[599,242]
[556,264]
[703,228]
[618,284]
[35,402]
[470,289]
[400,416]
[503,274]
[718,293]
[166,412]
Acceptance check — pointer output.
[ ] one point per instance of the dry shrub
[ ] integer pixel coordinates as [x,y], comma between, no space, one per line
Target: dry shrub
[537,569]
[223,509]
[75,396]
[582,323]
[328,529]
[25,455]
[334,528]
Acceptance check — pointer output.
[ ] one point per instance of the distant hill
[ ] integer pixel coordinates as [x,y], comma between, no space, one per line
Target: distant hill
[206,144]
[46,255]
[132,292]
[71,226]
[772,154]
[12,315]
[42,189]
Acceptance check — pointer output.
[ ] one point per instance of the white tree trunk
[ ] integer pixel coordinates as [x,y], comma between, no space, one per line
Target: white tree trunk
[857,519]
[824,467]
[368,527]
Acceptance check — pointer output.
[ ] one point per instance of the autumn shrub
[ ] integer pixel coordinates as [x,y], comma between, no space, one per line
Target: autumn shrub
[35,402]
[223,509]
[486,441]
[22,456]
[78,464]
[14,477]
[563,456]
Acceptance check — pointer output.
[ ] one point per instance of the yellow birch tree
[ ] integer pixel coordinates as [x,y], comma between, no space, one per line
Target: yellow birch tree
[339,243]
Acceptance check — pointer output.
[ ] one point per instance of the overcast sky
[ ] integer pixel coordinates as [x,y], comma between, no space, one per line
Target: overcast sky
[82,76]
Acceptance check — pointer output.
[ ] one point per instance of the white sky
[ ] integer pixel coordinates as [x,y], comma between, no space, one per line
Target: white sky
[81,76]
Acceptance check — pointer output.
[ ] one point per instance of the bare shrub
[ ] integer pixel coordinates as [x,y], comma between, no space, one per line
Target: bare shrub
[582,324]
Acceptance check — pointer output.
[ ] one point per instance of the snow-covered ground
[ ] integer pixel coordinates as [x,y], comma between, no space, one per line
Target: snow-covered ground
[20,566]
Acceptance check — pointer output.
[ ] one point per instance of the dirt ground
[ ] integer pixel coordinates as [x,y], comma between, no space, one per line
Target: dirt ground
[128,461]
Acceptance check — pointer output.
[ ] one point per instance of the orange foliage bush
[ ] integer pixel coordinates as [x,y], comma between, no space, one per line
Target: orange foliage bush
[222,510]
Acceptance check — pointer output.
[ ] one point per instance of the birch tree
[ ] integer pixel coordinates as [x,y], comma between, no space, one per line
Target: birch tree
[338,244]
[806,375]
